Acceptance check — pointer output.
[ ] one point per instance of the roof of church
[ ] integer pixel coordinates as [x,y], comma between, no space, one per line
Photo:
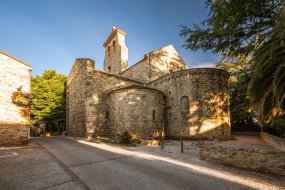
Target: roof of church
[12,57]
[134,86]
[147,54]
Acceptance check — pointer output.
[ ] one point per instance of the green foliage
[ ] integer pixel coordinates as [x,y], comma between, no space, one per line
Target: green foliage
[267,84]
[241,107]
[55,134]
[128,138]
[233,26]
[277,127]
[125,138]
[134,138]
[48,97]
[253,29]
[279,124]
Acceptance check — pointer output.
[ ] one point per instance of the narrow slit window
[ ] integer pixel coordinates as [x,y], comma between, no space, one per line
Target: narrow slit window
[109,49]
[153,114]
[185,105]
[114,46]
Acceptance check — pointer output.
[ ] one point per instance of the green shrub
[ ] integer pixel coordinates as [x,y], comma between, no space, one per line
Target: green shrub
[128,138]
[134,138]
[55,134]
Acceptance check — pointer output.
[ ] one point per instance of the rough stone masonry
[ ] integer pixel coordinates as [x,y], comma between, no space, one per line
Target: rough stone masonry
[14,120]
[157,95]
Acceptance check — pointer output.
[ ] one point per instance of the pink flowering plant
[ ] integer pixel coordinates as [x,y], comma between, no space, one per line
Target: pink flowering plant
[21,98]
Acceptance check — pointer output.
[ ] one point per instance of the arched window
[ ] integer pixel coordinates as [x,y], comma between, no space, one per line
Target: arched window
[185,105]
[109,49]
[109,68]
[114,46]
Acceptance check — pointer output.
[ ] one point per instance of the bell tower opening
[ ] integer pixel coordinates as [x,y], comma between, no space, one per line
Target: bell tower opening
[116,52]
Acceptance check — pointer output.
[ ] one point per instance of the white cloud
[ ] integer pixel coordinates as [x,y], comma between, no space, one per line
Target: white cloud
[205,65]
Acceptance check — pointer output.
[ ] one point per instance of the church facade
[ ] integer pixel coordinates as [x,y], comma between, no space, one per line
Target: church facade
[158,95]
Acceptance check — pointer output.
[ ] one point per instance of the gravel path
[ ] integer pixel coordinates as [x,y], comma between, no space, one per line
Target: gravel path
[247,142]
[191,156]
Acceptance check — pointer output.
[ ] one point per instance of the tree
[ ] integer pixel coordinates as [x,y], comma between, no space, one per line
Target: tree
[267,84]
[233,26]
[48,93]
[250,28]
[241,108]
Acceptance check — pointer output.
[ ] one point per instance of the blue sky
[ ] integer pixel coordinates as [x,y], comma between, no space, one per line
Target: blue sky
[50,34]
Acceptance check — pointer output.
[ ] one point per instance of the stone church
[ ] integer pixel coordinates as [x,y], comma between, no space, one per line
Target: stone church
[157,95]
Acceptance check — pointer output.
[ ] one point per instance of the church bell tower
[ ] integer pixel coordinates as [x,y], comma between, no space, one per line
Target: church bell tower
[116,52]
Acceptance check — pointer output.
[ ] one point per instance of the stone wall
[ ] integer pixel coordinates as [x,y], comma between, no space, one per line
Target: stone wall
[13,74]
[274,141]
[206,90]
[13,134]
[139,71]
[87,90]
[260,160]
[136,109]
[208,114]
[206,110]
[99,85]
[76,97]
[156,64]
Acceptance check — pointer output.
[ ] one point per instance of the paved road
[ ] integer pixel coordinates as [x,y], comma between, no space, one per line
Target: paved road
[63,163]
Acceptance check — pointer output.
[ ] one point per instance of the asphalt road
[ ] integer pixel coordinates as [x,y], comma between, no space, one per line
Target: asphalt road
[63,163]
